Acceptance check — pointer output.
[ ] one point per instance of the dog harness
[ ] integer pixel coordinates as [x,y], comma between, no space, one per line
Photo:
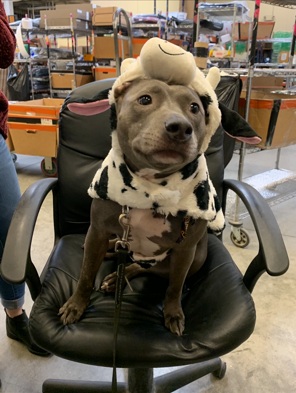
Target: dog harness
[186,193]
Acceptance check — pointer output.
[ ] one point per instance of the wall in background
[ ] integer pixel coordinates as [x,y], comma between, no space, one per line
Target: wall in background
[139,6]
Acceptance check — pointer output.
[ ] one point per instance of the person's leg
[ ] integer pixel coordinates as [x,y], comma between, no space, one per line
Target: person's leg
[12,296]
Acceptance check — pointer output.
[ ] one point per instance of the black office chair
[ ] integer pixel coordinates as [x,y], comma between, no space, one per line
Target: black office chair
[217,302]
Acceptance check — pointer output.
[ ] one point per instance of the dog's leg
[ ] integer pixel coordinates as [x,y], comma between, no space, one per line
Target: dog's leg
[179,267]
[96,246]
[109,282]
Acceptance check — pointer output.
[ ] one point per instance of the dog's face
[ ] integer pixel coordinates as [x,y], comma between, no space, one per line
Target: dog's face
[160,127]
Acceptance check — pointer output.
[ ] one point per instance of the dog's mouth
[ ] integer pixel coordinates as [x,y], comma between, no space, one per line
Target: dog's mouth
[167,157]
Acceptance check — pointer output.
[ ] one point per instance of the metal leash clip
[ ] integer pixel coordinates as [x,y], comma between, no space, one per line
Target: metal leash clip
[124,222]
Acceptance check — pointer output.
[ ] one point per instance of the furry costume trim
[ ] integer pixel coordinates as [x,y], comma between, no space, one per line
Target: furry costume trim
[188,192]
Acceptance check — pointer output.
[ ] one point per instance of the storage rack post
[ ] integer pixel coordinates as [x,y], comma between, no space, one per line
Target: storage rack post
[196,22]
[48,55]
[166,20]
[233,34]
[30,63]
[236,223]
[292,52]
[117,36]
[73,49]
[182,5]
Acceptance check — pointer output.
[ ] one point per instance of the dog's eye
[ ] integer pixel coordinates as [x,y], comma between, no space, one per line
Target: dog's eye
[194,108]
[145,100]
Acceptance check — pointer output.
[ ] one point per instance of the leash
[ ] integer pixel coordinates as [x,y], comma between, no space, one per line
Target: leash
[122,248]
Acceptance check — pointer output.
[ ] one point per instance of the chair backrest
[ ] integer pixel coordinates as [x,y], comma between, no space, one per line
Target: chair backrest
[83,143]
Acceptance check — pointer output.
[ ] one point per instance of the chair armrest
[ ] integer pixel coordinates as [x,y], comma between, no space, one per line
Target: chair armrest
[272,256]
[16,265]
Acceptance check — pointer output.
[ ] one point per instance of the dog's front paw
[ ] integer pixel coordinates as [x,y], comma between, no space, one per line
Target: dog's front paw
[174,317]
[72,310]
[109,283]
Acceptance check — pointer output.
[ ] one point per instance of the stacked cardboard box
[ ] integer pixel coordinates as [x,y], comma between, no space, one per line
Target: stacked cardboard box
[104,16]
[272,116]
[33,126]
[105,49]
[104,73]
[82,16]
[65,80]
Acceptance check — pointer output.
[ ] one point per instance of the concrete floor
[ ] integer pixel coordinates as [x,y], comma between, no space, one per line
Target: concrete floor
[266,363]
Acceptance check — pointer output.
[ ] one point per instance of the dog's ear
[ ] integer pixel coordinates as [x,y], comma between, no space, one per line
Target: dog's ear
[237,127]
[89,108]
[120,90]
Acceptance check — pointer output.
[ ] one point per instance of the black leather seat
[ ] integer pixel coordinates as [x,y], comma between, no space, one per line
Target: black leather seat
[218,306]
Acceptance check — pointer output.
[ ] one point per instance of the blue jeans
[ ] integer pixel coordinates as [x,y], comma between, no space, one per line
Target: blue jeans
[12,296]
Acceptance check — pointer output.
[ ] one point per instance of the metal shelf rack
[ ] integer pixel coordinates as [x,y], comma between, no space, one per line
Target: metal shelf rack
[73,32]
[281,3]
[224,12]
[276,177]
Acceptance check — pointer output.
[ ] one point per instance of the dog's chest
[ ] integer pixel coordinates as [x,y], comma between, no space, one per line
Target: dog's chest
[145,227]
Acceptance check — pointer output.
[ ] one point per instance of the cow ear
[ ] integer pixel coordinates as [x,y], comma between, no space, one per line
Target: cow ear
[237,127]
[90,108]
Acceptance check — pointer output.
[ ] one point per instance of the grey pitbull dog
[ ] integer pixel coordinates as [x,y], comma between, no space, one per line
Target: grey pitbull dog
[160,130]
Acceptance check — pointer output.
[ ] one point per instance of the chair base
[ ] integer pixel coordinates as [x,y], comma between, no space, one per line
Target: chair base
[141,380]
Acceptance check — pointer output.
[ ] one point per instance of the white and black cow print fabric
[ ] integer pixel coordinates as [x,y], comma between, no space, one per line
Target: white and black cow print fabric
[188,192]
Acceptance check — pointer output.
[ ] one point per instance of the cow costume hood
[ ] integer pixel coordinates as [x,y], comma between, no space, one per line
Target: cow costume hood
[162,60]
[188,192]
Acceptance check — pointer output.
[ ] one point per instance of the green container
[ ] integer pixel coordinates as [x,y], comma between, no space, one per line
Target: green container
[240,48]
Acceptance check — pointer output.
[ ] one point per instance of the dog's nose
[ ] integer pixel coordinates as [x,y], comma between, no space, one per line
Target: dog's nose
[179,128]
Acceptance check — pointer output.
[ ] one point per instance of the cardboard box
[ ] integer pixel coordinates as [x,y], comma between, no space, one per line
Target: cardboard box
[45,110]
[138,44]
[64,10]
[74,7]
[265,30]
[34,139]
[104,48]
[83,50]
[33,126]
[104,73]
[201,50]
[265,82]
[66,80]
[273,117]
[61,15]
[104,16]
[84,15]
[10,18]
[188,8]
[236,31]
[80,11]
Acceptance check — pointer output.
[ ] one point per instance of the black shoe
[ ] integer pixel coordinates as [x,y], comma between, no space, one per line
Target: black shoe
[17,328]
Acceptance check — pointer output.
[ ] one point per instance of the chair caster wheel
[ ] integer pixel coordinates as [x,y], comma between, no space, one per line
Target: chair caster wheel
[220,373]
[14,157]
[49,172]
[244,238]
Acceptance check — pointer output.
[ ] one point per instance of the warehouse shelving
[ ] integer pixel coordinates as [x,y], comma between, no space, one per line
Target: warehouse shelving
[275,177]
